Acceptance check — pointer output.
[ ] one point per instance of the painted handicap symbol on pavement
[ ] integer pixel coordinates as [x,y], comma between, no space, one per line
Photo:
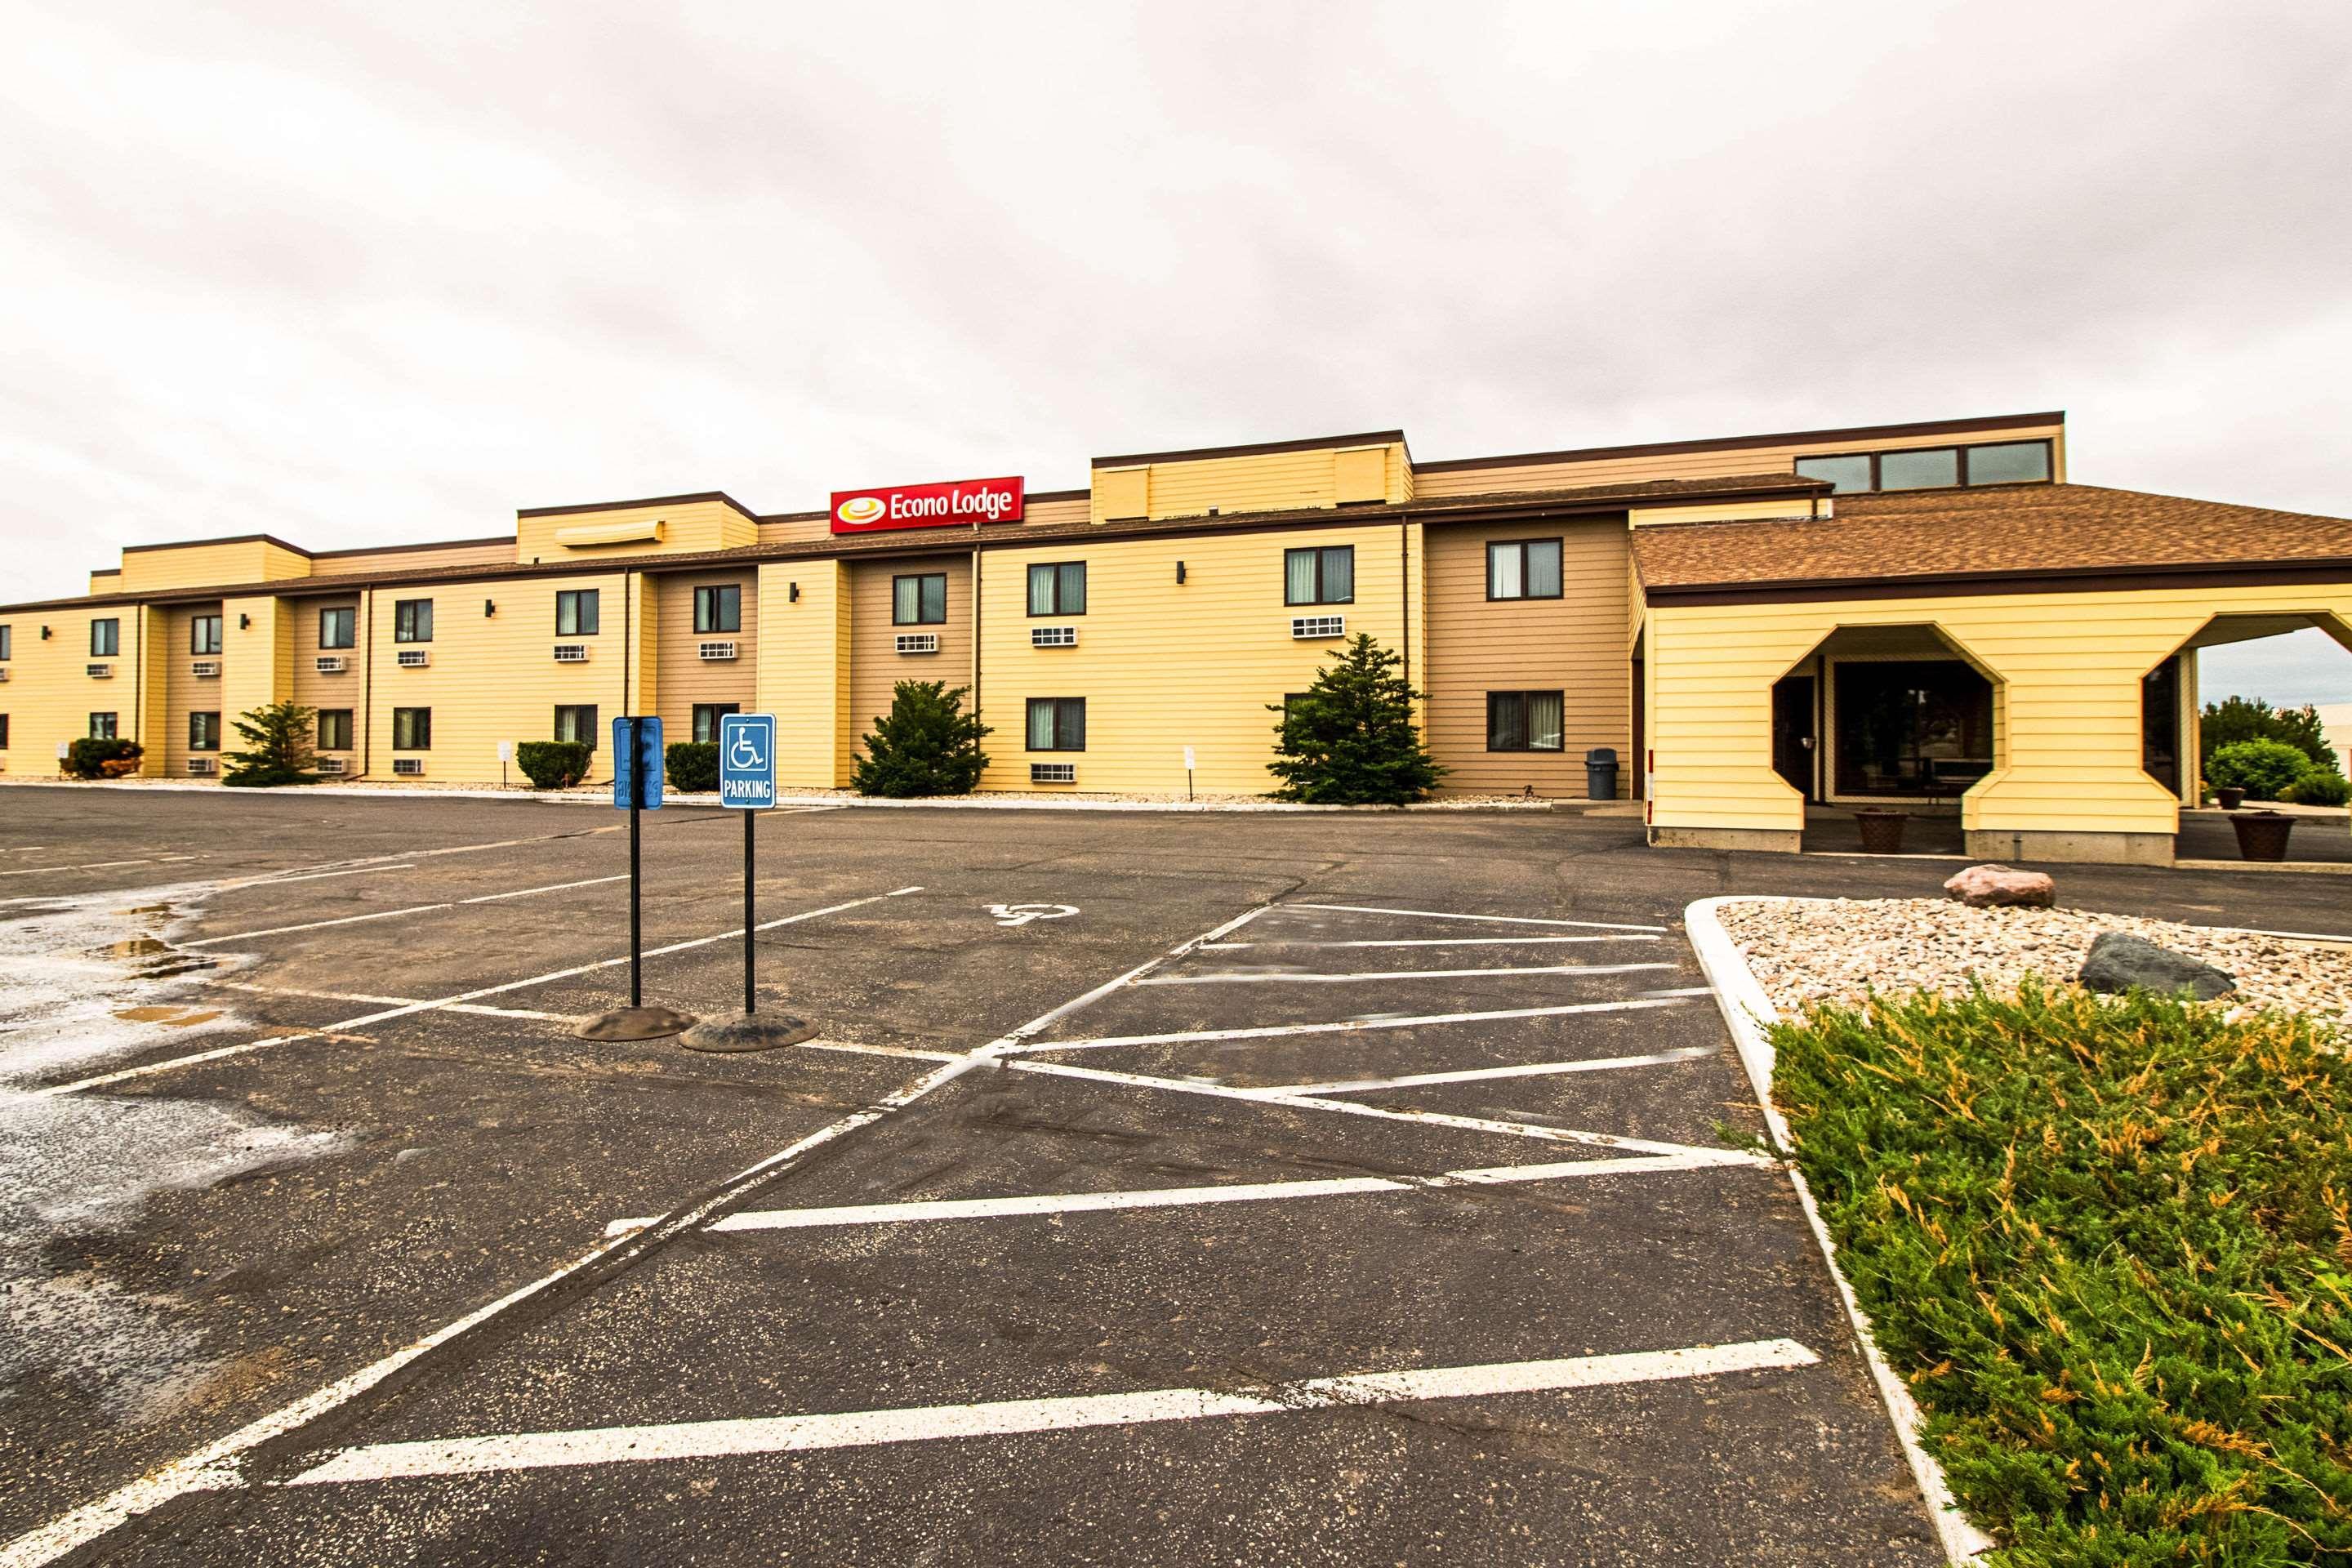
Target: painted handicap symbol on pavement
[1022,914]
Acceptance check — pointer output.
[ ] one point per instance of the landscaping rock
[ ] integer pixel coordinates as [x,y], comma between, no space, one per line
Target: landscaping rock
[1998,887]
[2118,961]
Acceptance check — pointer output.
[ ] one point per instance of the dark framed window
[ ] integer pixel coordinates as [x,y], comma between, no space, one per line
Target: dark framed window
[577,612]
[412,621]
[1523,569]
[204,732]
[2159,723]
[1919,469]
[412,728]
[1057,723]
[1910,727]
[1523,721]
[1847,474]
[1934,468]
[1322,575]
[576,722]
[718,608]
[7,642]
[339,627]
[705,721]
[105,638]
[334,728]
[4,732]
[2007,463]
[205,634]
[919,601]
[102,726]
[1057,588]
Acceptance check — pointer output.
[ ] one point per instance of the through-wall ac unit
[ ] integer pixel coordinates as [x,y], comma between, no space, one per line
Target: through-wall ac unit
[408,767]
[333,765]
[205,666]
[412,657]
[99,671]
[333,664]
[203,767]
[714,650]
[1053,773]
[1053,637]
[4,673]
[1318,625]
[919,642]
[572,652]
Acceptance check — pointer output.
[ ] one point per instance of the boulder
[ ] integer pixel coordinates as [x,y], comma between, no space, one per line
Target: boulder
[1988,887]
[2118,961]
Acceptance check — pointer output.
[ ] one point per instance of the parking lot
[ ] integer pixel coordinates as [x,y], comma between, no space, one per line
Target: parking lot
[1158,1189]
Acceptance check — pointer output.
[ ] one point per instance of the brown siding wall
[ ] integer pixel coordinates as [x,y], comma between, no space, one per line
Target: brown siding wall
[492,552]
[184,691]
[681,677]
[876,665]
[312,689]
[1575,644]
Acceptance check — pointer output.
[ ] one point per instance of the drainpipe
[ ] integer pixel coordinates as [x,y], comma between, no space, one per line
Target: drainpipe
[367,682]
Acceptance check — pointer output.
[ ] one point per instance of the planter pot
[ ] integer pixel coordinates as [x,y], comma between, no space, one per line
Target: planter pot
[1881,831]
[2261,835]
[2231,799]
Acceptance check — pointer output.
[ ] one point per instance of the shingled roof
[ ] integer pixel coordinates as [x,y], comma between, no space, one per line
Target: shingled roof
[1999,536]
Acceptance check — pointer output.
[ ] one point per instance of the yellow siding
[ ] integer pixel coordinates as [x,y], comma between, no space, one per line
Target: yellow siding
[1732,511]
[1122,492]
[686,527]
[802,668]
[347,690]
[173,662]
[683,676]
[202,565]
[814,528]
[1260,481]
[150,725]
[1075,510]
[1163,667]
[876,665]
[106,581]
[257,665]
[49,697]
[1767,457]
[432,558]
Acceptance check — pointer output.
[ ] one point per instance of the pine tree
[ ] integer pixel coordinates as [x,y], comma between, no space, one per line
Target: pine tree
[927,744]
[1350,738]
[279,735]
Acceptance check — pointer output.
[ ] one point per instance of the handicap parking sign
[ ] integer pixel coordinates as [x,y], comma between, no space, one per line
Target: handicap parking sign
[747,761]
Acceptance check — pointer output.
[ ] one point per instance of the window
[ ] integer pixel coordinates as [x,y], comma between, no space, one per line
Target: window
[4,732]
[718,608]
[412,621]
[1910,726]
[412,728]
[2010,463]
[1324,576]
[204,634]
[576,722]
[340,628]
[1523,720]
[1846,474]
[1523,569]
[705,721]
[919,601]
[102,726]
[204,732]
[1057,723]
[334,728]
[577,612]
[1933,468]
[105,638]
[7,643]
[1057,588]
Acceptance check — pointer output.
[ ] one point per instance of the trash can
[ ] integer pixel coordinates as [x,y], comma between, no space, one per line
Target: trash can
[1600,773]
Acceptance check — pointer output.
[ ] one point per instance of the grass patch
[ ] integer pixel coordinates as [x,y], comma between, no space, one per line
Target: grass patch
[2106,1242]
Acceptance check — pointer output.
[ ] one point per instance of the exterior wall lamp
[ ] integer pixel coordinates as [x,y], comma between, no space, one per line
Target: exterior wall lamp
[1179,572]
[489,609]
[794,596]
[44,634]
[244,622]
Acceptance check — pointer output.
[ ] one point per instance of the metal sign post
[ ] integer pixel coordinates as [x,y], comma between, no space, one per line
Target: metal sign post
[636,789]
[747,782]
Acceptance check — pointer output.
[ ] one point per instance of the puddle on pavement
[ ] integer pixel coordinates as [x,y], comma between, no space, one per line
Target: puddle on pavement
[137,947]
[178,1018]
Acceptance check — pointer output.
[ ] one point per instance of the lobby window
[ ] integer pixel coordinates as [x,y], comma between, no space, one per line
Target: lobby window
[1057,723]
[204,732]
[412,728]
[339,627]
[1057,588]
[204,634]
[1523,569]
[334,728]
[102,726]
[1523,721]
[576,612]
[705,721]
[412,621]
[576,722]
[919,601]
[1325,575]
[1906,727]
[1933,468]
[105,638]
[718,608]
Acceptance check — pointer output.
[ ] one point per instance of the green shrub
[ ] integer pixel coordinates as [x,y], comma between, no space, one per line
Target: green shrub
[1350,738]
[279,734]
[691,765]
[2261,768]
[2106,1242]
[927,744]
[2318,788]
[2250,718]
[554,764]
[93,758]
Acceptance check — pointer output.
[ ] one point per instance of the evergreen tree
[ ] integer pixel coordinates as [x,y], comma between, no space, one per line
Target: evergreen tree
[927,744]
[2238,719]
[279,735]
[1350,738]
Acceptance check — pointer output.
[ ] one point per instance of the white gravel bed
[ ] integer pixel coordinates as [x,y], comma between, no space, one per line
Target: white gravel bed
[1841,949]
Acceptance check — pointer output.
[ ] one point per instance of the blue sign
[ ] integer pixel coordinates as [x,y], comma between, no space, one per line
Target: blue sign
[747,761]
[638,762]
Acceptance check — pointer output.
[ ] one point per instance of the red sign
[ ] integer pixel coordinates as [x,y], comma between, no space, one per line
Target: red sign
[958,503]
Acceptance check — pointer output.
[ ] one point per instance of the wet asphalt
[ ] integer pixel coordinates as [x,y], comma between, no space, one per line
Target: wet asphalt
[479,1148]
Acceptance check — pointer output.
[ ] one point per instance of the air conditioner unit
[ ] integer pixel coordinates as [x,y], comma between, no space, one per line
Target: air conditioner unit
[331,765]
[99,671]
[1053,637]
[333,664]
[205,666]
[408,767]
[4,673]
[203,767]
[572,652]
[412,657]
[1318,625]
[1053,773]
[714,650]
[919,642]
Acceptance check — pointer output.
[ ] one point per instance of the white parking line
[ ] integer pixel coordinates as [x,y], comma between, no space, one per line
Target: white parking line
[1273,1031]
[1476,1075]
[313,925]
[862,1429]
[551,888]
[1446,915]
[1418,942]
[1247,977]
[314,876]
[89,866]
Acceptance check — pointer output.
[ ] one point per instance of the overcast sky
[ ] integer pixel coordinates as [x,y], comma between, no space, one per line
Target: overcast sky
[385,273]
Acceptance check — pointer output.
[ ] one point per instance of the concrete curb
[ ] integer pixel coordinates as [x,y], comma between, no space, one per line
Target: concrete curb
[1747,1012]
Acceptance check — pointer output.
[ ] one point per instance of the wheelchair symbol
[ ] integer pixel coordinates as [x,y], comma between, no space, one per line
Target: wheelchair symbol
[745,752]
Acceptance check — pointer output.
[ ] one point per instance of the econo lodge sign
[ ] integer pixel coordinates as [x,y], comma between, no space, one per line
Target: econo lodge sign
[958,503]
